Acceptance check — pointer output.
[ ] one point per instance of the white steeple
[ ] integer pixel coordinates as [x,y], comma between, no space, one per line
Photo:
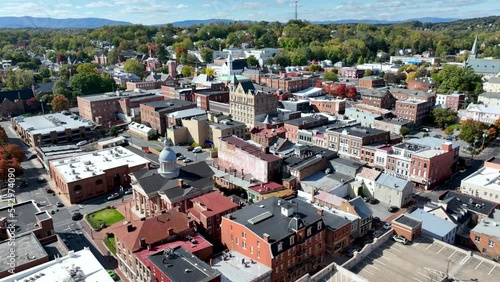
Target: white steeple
[168,160]
[229,64]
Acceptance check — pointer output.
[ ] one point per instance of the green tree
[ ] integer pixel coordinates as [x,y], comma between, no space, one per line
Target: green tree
[86,83]
[67,71]
[134,66]
[20,79]
[330,76]
[368,72]
[59,103]
[61,88]
[411,76]
[444,116]
[207,55]
[188,71]
[113,56]
[313,67]
[470,130]
[404,131]
[252,61]
[449,130]
[86,68]
[454,78]
[44,72]
[113,130]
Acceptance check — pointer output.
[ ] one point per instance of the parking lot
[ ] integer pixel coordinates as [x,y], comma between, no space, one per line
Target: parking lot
[424,260]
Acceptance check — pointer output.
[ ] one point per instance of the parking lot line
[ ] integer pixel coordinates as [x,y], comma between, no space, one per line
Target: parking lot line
[363,269]
[375,259]
[464,260]
[414,278]
[382,255]
[392,247]
[428,277]
[479,264]
[370,265]
[441,249]
[429,246]
[492,269]
[452,254]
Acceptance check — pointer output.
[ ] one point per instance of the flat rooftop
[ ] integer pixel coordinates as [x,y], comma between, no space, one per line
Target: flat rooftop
[408,220]
[139,93]
[52,122]
[83,262]
[25,216]
[486,176]
[168,104]
[96,163]
[27,248]
[182,266]
[233,270]
[424,260]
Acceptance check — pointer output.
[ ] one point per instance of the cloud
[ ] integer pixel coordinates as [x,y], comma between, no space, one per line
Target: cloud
[98,4]
[206,5]
[181,6]
[281,2]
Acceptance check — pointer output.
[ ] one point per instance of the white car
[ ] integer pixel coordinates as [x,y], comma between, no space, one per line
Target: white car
[400,239]
[387,225]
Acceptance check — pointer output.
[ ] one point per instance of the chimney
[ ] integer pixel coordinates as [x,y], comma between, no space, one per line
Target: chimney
[225,170]
[170,231]
[148,166]
[191,223]
[211,262]
[143,242]
[180,182]
[218,167]
[130,228]
[312,196]
[320,212]
[266,237]
[447,146]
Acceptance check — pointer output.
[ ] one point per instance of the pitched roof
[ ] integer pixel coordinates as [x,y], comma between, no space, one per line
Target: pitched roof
[213,203]
[362,209]
[369,173]
[329,198]
[152,229]
[24,94]
[432,223]
[484,65]
[390,181]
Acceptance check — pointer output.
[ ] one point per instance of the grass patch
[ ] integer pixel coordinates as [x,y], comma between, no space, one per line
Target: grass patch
[105,216]
[110,243]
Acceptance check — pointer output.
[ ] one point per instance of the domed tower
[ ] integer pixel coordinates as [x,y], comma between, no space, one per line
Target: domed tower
[168,161]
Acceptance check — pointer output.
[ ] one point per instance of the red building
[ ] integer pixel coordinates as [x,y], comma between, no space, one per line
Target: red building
[377,98]
[202,98]
[267,136]
[413,110]
[371,82]
[208,211]
[430,167]
[292,126]
[328,105]
[274,233]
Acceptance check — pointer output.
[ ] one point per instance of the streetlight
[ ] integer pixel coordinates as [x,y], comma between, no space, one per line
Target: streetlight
[484,136]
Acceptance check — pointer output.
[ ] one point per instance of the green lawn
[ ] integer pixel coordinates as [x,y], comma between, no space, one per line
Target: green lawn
[107,216]
[110,243]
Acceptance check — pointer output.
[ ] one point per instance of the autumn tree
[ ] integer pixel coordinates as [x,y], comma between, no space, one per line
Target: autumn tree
[3,136]
[368,73]
[449,130]
[470,130]
[135,67]
[352,92]
[341,90]
[210,72]
[188,71]
[33,103]
[59,103]
[411,76]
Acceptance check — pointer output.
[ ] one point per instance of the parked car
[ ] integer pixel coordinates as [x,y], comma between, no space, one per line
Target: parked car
[387,226]
[81,143]
[48,190]
[112,274]
[77,216]
[376,220]
[30,156]
[393,209]
[59,205]
[374,201]
[187,160]
[400,239]
[376,233]
[426,129]
[180,158]
[128,191]
[113,196]
[178,154]
[190,148]
[197,150]
[40,180]
[367,241]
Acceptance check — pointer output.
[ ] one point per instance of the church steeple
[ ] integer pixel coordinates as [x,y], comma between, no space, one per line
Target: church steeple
[473,51]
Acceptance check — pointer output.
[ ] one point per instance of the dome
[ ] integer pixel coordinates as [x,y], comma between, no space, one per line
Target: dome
[167,154]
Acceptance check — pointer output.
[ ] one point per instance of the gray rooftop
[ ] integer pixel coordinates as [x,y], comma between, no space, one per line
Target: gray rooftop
[362,209]
[266,217]
[432,223]
[494,79]
[490,95]
[187,113]
[306,120]
[407,220]
[121,94]
[484,65]
[24,214]
[56,122]
[489,227]
[175,266]
[233,270]
[431,142]
[359,131]
[27,248]
[168,104]
[334,221]
[390,181]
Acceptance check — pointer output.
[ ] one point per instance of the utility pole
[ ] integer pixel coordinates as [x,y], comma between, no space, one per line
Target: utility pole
[295,4]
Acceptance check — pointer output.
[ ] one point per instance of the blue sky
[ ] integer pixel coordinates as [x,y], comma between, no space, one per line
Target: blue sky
[165,11]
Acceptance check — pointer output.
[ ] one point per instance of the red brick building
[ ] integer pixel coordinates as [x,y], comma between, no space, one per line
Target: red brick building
[407,226]
[371,82]
[292,126]
[329,106]
[208,211]
[421,84]
[275,234]
[486,237]
[267,136]
[338,234]
[202,98]
[351,73]
[430,167]
[155,113]
[377,98]
[413,110]
[453,101]
[284,82]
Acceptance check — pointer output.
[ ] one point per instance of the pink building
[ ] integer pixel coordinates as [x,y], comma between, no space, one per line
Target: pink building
[430,167]
[235,154]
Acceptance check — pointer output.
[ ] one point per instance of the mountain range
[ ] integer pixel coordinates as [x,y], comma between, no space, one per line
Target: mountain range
[33,22]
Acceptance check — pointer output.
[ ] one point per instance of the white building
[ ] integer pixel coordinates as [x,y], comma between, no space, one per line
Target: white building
[482,113]
[492,85]
[264,53]
[392,190]
[417,59]
[484,183]
[491,99]
[436,227]
[76,266]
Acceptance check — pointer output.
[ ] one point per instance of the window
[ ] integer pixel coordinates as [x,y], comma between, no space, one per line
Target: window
[477,239]
[258,244]
[237,240]
[243,234]
[491,243]
[280,246]
[258,254]
[319,225]
[292,240]
[251,249]
[244,244]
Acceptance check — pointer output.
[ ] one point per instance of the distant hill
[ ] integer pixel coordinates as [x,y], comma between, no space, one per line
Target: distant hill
[424,20]
[187,23]
[32,22]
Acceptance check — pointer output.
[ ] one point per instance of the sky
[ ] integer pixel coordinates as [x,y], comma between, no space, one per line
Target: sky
[166,11]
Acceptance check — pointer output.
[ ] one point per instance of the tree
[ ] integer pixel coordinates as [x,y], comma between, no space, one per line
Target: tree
[367,73]
[341,90]
[411,76]
[59,103]
[252,61]
[113,56]
[187,71]
[210,72]
[3,136]
[313,67]
[20,79]
[444,116]
[86,68]
[449,130]
[33,103]
[86,83]
[207,55]
[113,131]
[453,78]
[404,131]
[134,66]
[330,76]
[352,92]
[67,71]
[44,72]
[470,130]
